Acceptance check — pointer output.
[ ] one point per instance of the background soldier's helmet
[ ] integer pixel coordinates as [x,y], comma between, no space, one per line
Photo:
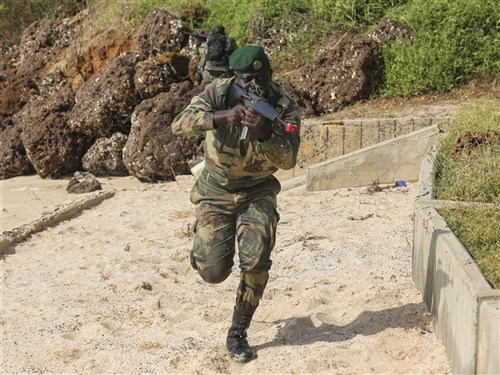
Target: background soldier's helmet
[219,29]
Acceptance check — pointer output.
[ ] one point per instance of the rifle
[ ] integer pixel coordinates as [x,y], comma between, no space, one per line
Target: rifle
[202,36]
[259,105]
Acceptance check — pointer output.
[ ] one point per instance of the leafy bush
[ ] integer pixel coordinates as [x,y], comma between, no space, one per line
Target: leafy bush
[141,8]
[454,39]
[352,15]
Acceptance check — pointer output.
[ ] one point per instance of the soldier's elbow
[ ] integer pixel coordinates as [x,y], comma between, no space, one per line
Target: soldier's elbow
[176,130]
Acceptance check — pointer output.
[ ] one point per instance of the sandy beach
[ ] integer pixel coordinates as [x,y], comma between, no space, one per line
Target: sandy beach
[111,290]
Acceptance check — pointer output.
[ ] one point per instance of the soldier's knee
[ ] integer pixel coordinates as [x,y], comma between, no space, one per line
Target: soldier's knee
[213,275]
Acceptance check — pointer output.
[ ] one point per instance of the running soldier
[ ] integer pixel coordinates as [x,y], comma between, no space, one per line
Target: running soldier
[235,195]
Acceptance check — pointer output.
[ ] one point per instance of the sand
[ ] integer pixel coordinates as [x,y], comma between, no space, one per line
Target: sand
[111,290]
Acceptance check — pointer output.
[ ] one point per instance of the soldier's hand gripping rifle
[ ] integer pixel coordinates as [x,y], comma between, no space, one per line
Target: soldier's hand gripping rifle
[258,104]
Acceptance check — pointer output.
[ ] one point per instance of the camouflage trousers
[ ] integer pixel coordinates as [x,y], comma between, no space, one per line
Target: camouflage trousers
[247,217]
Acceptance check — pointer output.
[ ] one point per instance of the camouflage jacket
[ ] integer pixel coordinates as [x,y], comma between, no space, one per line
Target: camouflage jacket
[232,162]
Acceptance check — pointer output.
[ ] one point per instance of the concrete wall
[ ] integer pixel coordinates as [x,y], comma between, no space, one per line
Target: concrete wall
[488,356]
[464,307]
[323,140]
[385,162]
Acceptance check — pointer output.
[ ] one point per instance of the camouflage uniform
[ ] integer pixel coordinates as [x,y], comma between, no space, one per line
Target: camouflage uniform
[236,192]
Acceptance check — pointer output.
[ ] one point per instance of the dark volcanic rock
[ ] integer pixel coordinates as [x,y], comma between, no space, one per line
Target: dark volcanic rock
[157,73]
[345,72]
[390,29]
[302,97]
[42,43]
[13,159]
[275,36]
[51,146]
[105,102]
[105,156]
[9,59]
[152,153]
[468,142]
[342,74]
[83,183]
[160,32]
[13,97]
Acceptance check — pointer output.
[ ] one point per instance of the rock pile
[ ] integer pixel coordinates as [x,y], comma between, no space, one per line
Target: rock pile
[108,110]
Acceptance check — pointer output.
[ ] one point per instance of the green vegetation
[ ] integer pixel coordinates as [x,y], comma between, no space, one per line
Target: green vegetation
[453,40]
[307,24]
[472,174]
[311,17]
[477,229]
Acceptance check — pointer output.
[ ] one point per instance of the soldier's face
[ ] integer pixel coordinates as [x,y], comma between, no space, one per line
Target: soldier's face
[250,80]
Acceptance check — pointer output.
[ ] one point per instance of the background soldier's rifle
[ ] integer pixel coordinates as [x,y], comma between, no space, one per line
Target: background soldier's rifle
[201,36]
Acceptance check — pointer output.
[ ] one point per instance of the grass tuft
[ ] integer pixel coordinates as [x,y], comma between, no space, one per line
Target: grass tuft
[468,160]
[477,229]
[468,169]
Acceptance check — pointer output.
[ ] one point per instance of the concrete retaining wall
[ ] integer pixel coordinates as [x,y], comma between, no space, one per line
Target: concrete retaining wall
[488,336]
[323,140]
[385,162]
[464,307]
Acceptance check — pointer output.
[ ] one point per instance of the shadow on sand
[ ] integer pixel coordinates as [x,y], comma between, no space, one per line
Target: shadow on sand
[302,331]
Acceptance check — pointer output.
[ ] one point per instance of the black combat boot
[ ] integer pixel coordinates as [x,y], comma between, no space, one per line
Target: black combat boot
[236,342]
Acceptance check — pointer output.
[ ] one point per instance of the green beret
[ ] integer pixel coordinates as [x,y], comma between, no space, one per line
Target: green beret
[249,59]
